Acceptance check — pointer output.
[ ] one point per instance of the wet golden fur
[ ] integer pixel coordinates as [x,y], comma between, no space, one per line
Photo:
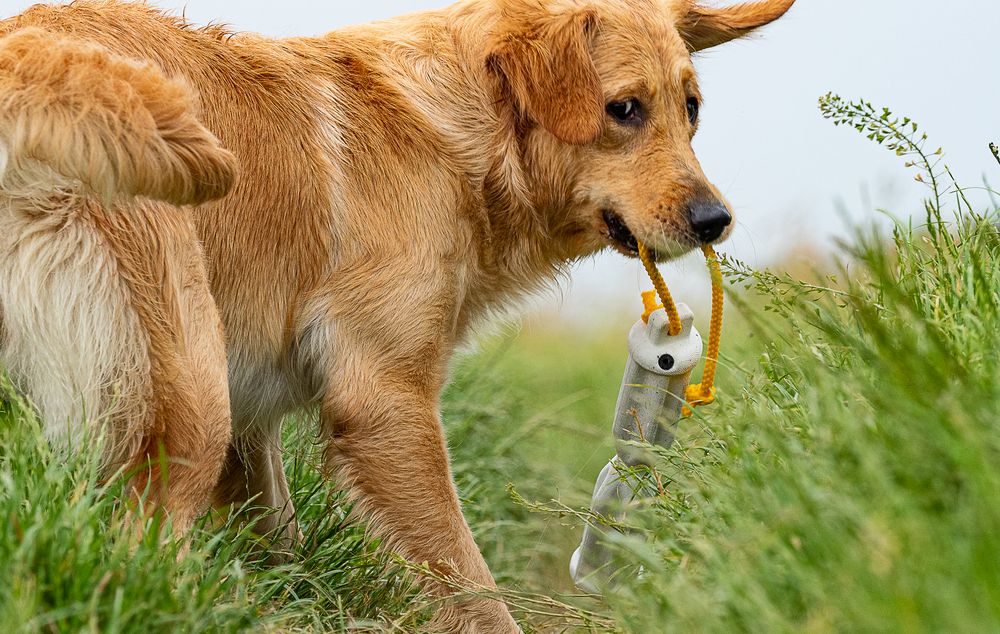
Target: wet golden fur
[224,228]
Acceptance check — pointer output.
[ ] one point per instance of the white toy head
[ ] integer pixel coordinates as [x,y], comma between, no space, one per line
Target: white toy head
[655,350]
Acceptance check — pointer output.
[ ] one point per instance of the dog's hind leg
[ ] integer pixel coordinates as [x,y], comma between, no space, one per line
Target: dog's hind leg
[112,333]
[254,477]
[161,262]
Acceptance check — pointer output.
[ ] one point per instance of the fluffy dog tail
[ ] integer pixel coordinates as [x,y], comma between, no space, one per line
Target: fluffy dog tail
[119,127]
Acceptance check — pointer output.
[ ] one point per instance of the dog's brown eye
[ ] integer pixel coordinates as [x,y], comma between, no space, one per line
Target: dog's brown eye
[628,111]
[694,106]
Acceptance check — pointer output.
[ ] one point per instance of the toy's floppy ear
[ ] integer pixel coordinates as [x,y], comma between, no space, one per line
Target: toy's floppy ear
[546,72]
[705,27]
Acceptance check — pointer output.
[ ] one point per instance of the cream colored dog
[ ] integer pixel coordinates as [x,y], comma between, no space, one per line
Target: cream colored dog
[201,232]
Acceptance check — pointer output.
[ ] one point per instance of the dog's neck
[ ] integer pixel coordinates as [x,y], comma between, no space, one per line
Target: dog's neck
[516,195]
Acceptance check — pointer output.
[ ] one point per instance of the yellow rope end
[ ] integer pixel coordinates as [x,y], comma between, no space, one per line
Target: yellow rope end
[696,396]
[649,304]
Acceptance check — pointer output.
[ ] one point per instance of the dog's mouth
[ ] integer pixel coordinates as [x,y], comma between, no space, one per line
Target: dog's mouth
[620,236]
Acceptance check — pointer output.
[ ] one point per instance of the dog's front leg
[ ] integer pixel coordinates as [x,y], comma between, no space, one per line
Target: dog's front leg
[387,444]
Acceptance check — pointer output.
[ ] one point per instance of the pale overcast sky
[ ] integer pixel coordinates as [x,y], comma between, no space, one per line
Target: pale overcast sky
[762,139]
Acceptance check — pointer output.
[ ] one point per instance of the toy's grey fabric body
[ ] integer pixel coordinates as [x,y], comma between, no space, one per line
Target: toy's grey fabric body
[650,403]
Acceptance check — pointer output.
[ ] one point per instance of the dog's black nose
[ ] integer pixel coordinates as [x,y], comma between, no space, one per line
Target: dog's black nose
[709,218]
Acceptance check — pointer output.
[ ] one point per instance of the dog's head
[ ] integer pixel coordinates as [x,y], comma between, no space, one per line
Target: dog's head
[606,99]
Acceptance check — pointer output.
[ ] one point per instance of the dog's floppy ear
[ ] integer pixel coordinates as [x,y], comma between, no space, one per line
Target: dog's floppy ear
[705,27]
[544,65]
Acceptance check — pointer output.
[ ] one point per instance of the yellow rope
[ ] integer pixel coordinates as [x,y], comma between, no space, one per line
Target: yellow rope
[675,327]
[700,393]
[704,393]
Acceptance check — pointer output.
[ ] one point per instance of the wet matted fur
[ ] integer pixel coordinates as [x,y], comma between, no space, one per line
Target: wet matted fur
[201,232]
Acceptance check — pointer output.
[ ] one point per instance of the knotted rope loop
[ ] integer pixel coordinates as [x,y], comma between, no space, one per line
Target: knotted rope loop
[700,393]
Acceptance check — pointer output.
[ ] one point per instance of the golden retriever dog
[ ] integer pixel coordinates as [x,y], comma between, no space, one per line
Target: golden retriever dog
[201,232]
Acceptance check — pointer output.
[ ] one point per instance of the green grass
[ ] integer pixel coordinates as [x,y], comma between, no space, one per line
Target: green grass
[69,566]
[848,480]
[855,486]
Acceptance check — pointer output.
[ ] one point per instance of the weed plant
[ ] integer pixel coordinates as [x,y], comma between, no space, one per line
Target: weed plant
[854,485]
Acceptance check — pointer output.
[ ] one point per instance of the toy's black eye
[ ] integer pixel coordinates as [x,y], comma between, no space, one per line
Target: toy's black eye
[666,363]
[628,111]
[694,106]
